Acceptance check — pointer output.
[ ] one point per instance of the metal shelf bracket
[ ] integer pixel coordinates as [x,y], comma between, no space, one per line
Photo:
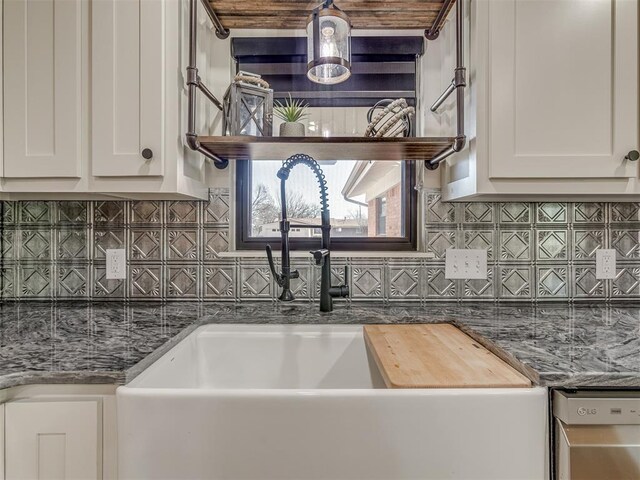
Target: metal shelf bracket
[194,83]
[458,83]
[433,32]
[221,32]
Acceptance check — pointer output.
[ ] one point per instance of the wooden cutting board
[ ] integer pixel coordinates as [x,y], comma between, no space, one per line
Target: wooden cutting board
[436,356]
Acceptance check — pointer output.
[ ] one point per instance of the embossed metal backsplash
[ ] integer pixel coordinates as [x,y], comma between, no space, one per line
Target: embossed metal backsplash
[536,252]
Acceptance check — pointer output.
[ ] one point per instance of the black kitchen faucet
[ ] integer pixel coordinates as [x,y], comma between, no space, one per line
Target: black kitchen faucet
[321,256]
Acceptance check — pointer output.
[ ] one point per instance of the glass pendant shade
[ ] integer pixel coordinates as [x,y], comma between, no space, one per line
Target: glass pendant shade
[328,45]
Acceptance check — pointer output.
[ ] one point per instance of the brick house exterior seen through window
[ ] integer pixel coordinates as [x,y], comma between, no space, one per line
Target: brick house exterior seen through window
[393,213]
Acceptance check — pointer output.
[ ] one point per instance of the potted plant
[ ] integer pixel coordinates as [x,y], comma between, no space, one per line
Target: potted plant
[291,113]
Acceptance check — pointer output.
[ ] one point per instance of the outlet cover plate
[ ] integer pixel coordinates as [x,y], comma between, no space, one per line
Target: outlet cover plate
[605,264]
[116,264]
[468,264]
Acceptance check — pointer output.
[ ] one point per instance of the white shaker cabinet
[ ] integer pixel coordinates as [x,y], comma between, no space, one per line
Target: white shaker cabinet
[553,101]
[1,442]
[44,88]
[139,60]
[53,440]
[564,91]
[127,94]
[95,100]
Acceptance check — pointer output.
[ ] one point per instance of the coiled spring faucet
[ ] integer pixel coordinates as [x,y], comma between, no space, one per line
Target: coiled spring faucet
[322,256]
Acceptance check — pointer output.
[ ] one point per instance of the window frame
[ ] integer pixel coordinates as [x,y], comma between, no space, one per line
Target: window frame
[380,203]
[407,243]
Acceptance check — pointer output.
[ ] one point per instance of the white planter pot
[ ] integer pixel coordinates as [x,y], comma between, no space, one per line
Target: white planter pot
[292,129]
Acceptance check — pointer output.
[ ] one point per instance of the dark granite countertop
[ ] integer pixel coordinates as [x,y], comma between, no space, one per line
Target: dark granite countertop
[70,342]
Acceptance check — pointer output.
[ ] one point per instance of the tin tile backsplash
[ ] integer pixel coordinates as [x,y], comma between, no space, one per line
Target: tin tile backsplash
[536,252]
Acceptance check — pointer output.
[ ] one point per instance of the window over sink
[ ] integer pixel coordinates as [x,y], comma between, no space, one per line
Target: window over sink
[372,205]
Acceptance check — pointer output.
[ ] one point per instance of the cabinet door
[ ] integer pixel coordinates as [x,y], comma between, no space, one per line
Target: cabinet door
[43,88]
[563,88]
[1,442]
[52,440]
[128,85]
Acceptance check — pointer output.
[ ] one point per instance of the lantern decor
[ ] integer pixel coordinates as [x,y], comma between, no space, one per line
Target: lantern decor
[328,45]
[248,106]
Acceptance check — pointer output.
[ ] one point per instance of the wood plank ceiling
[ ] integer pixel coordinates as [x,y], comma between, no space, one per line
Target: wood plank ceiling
[364,14]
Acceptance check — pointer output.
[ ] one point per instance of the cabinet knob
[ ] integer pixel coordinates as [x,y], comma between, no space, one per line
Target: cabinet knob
[147,153]
[633,155]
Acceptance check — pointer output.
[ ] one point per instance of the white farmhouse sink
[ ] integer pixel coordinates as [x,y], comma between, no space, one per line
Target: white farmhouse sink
[306,402]
[227,357]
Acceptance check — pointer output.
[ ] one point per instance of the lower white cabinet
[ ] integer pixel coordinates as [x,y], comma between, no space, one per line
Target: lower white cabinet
[53,440]
[58,432]
[1,442]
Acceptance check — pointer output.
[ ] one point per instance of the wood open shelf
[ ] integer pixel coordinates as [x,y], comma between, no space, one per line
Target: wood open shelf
[321,148]
[370,14]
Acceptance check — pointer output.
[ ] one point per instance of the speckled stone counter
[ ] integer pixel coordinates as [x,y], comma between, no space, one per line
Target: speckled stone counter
[70,342]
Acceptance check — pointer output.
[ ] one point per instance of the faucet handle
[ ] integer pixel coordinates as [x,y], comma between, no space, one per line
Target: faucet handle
[347,271]
[341,291]
[278,278]
[319,255]
[344,288]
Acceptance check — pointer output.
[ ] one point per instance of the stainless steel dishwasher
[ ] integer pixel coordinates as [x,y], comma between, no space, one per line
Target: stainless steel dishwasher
[597,435]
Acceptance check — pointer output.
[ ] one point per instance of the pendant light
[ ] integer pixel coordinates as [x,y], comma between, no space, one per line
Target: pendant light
[328,45]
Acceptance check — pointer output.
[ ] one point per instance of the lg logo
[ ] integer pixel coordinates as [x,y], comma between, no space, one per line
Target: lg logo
[586,411]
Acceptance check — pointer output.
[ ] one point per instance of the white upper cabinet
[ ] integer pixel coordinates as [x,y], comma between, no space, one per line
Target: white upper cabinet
[128,84]
[553,101]
[94,100]
[43,87]
[563,89]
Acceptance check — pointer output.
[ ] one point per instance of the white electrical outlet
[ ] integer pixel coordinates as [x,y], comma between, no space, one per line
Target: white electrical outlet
[465,263]
[605,264]
[116,264]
